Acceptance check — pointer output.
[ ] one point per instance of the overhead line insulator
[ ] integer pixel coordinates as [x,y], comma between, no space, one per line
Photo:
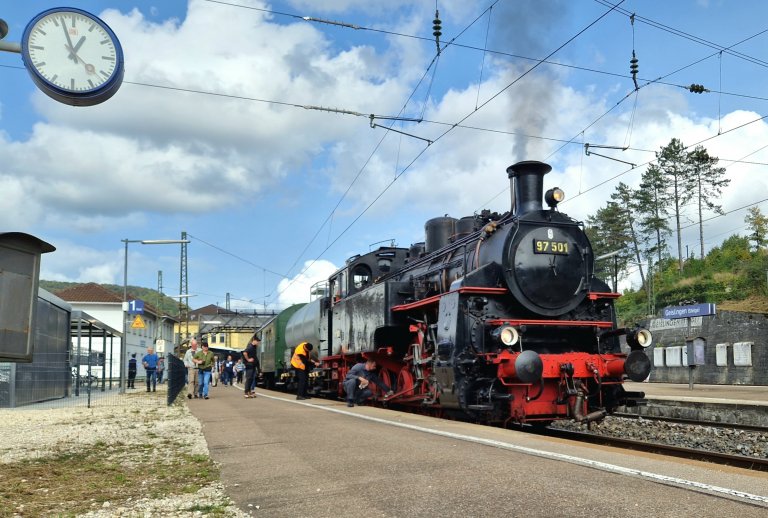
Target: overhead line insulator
[633,68]
[697,89]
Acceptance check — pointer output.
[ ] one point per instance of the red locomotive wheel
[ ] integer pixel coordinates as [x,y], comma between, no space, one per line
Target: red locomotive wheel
[405,382]
[385,378]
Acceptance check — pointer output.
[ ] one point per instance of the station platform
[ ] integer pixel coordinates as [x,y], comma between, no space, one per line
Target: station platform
[318,458]
[726,394]
[732,404]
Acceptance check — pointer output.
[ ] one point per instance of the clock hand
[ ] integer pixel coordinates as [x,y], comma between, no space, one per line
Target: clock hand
[72,53]
[79,44]
[73,50]
[88,67]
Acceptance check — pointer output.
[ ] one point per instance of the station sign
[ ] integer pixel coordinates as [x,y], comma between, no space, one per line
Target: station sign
[136,306]
[138,323]
[693,310]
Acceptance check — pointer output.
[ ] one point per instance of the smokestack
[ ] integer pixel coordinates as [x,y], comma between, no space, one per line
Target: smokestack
[527,185]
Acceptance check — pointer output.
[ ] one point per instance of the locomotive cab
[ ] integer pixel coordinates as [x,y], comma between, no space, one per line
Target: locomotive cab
[362,271]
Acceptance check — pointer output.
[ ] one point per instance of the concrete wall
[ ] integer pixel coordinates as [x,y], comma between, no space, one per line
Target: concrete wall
[727,327]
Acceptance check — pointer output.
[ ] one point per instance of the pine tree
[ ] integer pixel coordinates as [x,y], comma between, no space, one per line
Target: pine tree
[758,226]
[709,184]
[627,199]
[653,208]
[608,232]
[675,166]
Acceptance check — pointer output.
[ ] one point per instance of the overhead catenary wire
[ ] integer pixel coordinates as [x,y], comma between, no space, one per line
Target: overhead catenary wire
[418,155]
[371,155]
[683,34]
[227,252]
[290,104]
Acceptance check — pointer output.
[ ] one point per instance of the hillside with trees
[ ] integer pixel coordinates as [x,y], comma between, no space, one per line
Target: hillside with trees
[635,227]
[167,305]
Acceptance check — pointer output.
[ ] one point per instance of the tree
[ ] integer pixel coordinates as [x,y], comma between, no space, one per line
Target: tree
[758,226]
[608,232]
[627,199]
[709,184]
[675,165]
[653,209]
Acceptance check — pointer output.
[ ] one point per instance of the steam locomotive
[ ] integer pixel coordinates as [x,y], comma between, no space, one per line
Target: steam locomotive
[495,318]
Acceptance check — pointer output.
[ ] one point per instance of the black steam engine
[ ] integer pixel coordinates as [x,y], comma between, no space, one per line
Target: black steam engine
[498,317]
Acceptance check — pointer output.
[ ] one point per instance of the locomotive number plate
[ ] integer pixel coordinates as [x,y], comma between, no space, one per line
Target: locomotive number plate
[547,246]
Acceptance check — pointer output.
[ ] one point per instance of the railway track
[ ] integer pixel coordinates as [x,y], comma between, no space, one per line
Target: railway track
[740,461]
[693,422]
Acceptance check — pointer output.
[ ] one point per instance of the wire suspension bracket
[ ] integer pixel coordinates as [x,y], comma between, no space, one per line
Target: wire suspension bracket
[587,152]
[633,66]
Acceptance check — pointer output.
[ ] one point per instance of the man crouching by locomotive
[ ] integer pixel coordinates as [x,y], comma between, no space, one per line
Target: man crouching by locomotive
[356,382]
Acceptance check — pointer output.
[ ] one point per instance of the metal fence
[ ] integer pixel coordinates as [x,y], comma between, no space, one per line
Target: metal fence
[56,379]
[177,377]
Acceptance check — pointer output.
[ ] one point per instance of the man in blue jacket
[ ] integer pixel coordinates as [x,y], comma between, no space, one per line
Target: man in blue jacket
[150,365]
[132,371]
[357,380]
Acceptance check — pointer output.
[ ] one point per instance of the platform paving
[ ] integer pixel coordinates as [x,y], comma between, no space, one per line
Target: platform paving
[318,458]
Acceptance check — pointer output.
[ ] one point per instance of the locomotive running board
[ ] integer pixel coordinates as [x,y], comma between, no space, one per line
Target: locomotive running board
[564,323]
[479,290]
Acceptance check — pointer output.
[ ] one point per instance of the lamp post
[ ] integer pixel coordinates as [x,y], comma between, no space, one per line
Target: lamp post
[124,341]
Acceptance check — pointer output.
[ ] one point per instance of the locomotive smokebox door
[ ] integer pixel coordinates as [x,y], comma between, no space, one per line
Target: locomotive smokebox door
[549,267]
[19,282]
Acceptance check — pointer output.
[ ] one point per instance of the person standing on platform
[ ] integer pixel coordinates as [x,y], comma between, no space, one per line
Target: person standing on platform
[150,365]
[302,363]
[132,367]
[252,367]
[160,369]
[204,360]
[227,371]
[191,369]
[357,380]
[215,371]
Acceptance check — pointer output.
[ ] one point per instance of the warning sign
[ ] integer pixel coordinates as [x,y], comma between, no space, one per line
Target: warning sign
[138,323]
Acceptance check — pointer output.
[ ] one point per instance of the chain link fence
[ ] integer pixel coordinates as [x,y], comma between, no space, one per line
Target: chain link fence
[177,377]
[54,379]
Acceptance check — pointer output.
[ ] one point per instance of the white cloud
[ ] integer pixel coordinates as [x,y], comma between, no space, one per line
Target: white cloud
[154,151]
[297,289]
[131,153]
[72,262]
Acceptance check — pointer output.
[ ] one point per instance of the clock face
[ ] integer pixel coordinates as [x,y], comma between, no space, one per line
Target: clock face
[73,56]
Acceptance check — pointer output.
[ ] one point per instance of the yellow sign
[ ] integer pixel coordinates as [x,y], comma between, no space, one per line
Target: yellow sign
[138,323]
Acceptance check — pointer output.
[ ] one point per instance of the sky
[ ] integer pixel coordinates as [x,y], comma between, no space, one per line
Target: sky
[245,124]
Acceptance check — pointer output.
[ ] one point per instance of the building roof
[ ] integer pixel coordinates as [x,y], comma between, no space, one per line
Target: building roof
[210,309]
[90,292]
[97,294]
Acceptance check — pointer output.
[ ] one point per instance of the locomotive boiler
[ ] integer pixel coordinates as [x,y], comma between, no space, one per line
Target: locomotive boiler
[496,317]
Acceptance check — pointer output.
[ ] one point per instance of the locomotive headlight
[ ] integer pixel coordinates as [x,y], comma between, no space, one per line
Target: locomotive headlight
[507,335]
[554,196]
[639,338]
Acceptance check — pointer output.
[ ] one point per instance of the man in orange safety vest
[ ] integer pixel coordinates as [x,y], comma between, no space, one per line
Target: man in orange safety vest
[301,363]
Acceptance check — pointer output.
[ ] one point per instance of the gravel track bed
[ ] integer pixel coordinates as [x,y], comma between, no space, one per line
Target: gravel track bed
[708,438]
[145,430]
